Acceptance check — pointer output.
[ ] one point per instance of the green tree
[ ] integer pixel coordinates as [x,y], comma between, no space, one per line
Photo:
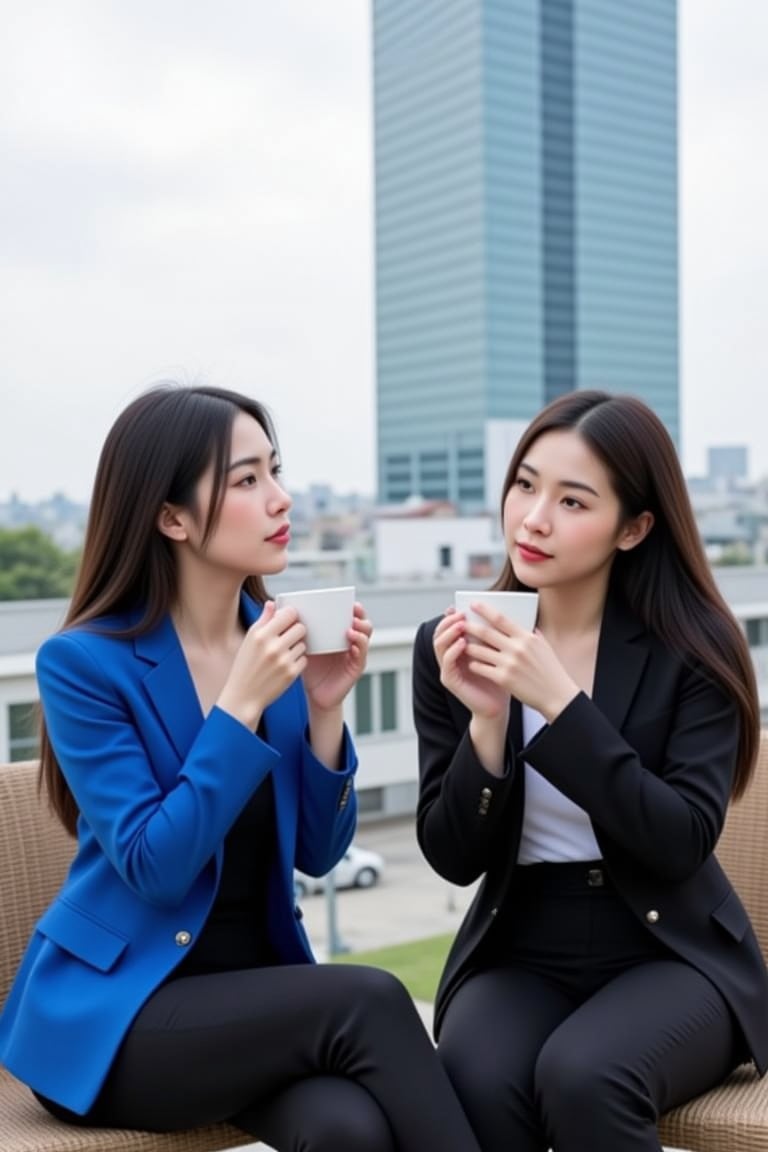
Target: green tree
[33,567]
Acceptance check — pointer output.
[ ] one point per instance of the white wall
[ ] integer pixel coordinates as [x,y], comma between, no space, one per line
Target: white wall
[409,547]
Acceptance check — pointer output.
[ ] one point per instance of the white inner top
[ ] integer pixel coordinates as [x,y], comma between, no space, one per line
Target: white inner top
[554,828]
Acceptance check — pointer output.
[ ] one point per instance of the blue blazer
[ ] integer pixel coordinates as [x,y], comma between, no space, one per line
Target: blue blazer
[158,786]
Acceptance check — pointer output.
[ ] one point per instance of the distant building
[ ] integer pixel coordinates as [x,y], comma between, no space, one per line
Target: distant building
[728,464]
[426,540]
[526,225]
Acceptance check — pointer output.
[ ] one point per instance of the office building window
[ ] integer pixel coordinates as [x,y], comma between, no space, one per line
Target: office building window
[387,695]
[370,800]
[757,631]
[376,703]
[22,728]
[363,706]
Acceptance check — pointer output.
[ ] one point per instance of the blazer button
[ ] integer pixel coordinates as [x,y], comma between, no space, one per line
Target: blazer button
[183,938]
[652,916]
[486,793]
[345,794]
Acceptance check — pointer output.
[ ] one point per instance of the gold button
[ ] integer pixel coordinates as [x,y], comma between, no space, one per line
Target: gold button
[652,917]
[182,939]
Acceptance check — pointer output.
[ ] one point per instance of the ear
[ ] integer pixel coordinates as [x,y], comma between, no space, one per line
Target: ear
[635,531]
[170,523]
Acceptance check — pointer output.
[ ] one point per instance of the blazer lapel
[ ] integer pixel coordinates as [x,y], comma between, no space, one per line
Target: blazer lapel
[169,685]
[622,654]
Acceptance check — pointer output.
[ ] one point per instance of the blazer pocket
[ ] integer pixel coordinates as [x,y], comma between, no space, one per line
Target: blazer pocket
[82,936]
[731,915]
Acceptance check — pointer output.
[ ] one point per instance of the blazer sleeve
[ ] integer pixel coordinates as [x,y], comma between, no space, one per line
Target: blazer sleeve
[157,840]
[665,814]
[327,808]
[462,809]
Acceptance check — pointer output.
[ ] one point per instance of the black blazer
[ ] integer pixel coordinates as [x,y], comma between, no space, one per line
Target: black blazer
[650,758]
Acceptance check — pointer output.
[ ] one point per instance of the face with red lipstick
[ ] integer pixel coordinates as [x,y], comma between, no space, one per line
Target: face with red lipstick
[563,522]
[251,532]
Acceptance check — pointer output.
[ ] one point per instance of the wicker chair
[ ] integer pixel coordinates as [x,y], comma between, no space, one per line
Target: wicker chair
[734,1117]
[34,853]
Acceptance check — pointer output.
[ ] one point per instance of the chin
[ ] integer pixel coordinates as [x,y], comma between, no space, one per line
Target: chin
[274,565]
[528,581]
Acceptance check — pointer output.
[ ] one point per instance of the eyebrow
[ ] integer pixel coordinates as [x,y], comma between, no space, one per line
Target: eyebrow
[581,487]
[254,461]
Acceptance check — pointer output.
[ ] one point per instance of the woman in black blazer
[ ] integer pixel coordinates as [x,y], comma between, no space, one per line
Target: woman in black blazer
[606,970]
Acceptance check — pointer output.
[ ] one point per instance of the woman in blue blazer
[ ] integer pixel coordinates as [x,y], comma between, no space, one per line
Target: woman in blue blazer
[198,753]
[606,970]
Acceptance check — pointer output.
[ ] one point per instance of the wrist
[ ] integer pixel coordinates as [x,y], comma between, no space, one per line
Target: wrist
[247,712]
[331,712]
[559,703]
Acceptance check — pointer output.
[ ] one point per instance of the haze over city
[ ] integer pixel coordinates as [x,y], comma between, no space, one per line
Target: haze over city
[187,193]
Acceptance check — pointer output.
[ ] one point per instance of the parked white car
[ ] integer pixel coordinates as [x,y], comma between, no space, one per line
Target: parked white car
[358,868]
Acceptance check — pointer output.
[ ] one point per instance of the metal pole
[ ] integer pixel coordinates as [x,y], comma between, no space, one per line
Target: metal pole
[335,944]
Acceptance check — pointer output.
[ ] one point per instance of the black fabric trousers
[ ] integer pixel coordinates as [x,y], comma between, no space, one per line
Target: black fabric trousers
[580,1028]
[309,1058]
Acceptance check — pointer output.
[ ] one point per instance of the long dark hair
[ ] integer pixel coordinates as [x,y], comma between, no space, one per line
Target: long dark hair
[666,579]
[156,452]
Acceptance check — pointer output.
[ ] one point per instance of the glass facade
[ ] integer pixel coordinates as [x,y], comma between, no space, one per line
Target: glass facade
[526,221]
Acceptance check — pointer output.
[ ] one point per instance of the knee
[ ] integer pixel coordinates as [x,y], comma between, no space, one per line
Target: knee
[564,1081]
[378,990]
[570,1090]
[338,1115]
[360,1131]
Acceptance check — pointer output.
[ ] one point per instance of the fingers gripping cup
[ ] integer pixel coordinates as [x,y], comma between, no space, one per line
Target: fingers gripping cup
[520,607]
[326,613]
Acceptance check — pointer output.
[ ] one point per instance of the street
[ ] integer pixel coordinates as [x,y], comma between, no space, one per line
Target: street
[410,902]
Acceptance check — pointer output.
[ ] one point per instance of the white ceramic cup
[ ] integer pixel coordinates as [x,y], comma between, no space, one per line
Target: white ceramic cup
[326,613]
[521,607]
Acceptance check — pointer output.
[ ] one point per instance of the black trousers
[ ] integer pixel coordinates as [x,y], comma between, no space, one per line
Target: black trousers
[580,1029]
[309,1058]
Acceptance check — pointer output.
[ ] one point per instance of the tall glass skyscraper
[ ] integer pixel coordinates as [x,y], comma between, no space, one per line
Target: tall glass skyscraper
[526,224]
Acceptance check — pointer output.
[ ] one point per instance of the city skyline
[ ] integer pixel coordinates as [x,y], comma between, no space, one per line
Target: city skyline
[188,193]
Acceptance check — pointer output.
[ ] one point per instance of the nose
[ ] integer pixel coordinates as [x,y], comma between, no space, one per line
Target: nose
[279,501]
[537,517]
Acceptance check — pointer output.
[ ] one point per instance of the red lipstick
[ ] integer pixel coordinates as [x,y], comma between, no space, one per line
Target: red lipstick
[531,554]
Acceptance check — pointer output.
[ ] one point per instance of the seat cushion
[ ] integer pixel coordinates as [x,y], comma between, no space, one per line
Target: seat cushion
[731,1118]
[26,1127]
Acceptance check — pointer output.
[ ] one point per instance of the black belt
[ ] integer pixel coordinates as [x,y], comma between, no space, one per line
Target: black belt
[564,879]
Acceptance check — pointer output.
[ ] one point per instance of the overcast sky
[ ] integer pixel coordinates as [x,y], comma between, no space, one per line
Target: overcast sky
[186,191]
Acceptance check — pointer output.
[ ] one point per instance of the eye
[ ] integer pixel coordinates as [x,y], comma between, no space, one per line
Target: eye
[276,470]
[524,484]
[246,481]
[572,502]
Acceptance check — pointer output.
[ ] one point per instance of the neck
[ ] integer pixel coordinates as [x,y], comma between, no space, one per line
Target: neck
[571,612]
[207,614]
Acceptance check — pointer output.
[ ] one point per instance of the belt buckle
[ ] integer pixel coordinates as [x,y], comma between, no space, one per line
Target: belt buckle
[595,878]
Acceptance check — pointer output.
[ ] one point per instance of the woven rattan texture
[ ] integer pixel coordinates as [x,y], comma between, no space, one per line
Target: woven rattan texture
[734,1117]
[34,854]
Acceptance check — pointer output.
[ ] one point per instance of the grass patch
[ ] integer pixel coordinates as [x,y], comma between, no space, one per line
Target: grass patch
[417,964]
